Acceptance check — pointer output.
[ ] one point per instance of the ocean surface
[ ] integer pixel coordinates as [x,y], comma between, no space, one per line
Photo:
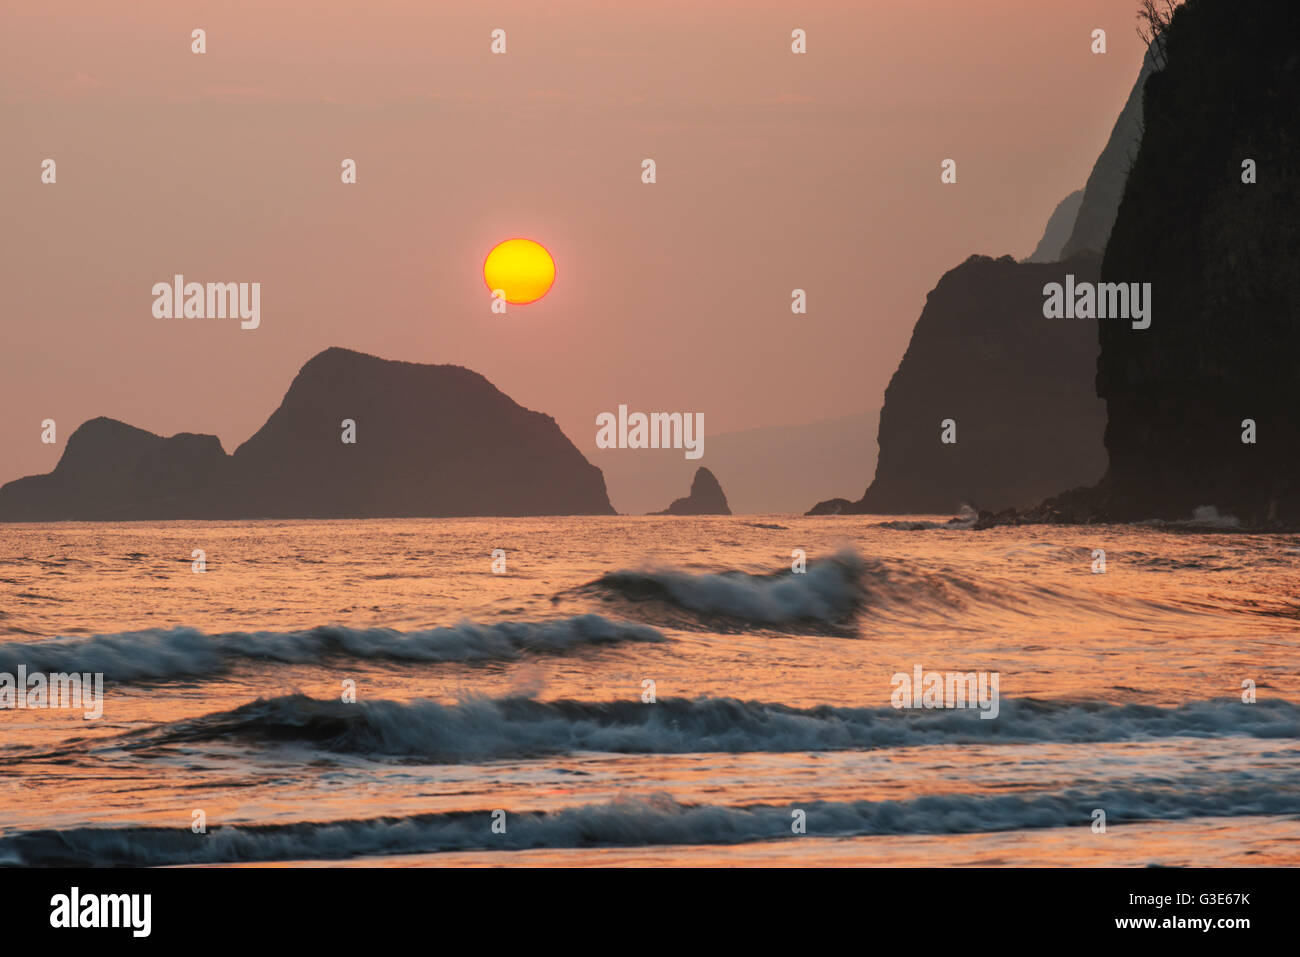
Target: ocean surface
[650,691]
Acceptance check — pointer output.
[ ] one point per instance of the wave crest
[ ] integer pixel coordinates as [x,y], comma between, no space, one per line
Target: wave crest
[830,590]
[158,654]
[644,822]
[482,729]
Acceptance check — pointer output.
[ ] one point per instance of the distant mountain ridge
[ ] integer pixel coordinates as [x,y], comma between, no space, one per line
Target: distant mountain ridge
[430,440]
[1105,186]
[1060,226]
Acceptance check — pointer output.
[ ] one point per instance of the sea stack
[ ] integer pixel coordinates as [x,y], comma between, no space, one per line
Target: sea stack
[706,498]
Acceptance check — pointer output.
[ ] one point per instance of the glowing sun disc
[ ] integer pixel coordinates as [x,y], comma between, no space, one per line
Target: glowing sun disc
[522,269]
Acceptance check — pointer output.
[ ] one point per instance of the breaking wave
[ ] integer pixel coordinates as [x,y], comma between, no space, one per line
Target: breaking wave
[646,822]
[830,597]
[830,590]
[483,729]
[158,654]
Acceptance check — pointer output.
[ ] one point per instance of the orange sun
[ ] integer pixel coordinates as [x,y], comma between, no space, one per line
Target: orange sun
[522,269]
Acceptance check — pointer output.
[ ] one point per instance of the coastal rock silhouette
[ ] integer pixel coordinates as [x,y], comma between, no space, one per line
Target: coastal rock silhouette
[111,470]
[1017,386]
[1021,388]
[1220,254]
[706,497]
[431,440]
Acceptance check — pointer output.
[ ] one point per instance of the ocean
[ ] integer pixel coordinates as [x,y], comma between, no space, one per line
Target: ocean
[651,691]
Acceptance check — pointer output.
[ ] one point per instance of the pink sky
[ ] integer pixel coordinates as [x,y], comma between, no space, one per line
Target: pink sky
[775,171]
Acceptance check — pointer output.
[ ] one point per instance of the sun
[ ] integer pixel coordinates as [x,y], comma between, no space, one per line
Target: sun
[522,269]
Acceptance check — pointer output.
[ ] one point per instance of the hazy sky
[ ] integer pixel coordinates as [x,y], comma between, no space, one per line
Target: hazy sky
[775,171]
